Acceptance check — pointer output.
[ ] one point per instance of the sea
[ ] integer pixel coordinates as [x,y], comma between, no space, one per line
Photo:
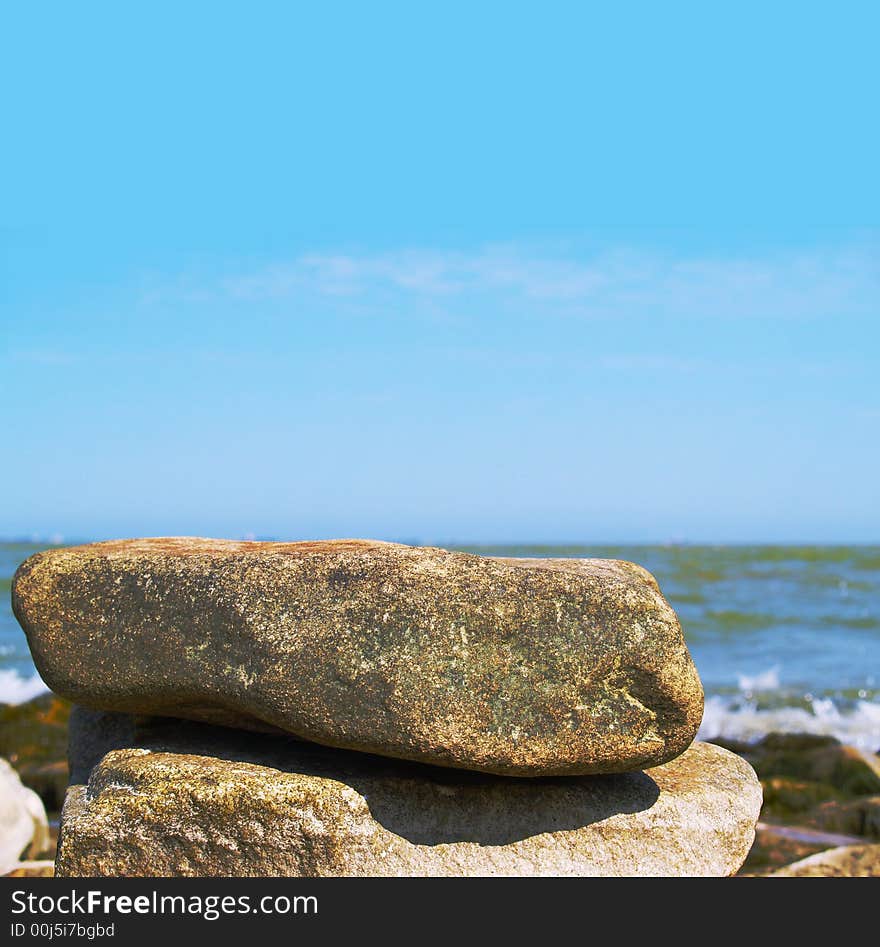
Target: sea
[786,638]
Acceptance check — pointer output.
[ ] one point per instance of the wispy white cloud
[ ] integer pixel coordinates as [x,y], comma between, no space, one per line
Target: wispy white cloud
[841,281]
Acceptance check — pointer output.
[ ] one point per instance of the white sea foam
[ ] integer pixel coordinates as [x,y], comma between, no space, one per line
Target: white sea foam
[740,719]
[765,681]
[15,689]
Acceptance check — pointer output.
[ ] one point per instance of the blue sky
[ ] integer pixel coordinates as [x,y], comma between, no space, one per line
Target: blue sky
[441,272]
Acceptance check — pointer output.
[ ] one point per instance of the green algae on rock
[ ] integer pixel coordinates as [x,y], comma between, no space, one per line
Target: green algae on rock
[513,667]
[858,817]
[33,737]
[268,805]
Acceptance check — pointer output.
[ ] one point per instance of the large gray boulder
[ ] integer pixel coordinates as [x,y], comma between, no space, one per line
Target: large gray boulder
[513,667]
[175,798]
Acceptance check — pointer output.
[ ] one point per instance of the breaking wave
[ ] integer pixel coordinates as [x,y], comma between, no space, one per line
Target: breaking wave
[761,707]
[15,689]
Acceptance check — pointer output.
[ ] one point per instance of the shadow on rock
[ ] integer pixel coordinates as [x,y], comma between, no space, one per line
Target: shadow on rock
[426,805]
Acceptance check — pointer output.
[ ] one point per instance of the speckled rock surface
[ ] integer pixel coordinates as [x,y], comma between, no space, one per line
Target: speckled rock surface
[514,667]
[189,799]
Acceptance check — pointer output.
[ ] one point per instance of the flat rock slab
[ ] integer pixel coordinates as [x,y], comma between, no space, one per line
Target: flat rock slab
[513,667]
[189,799]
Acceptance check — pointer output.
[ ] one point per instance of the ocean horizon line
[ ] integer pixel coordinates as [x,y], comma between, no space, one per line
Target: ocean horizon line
[55,540]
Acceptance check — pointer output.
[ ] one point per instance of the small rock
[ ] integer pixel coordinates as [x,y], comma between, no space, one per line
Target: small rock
[810,758]
[777,742]
[786,798]
[33,737]
[849,861]
[24,828]
[772,850]
[857,817]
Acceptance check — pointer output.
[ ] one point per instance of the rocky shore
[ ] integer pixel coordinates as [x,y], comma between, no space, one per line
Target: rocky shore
[818,794]
[359,708]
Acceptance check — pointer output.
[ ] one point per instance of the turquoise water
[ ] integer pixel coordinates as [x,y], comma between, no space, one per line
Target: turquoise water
[784,637]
